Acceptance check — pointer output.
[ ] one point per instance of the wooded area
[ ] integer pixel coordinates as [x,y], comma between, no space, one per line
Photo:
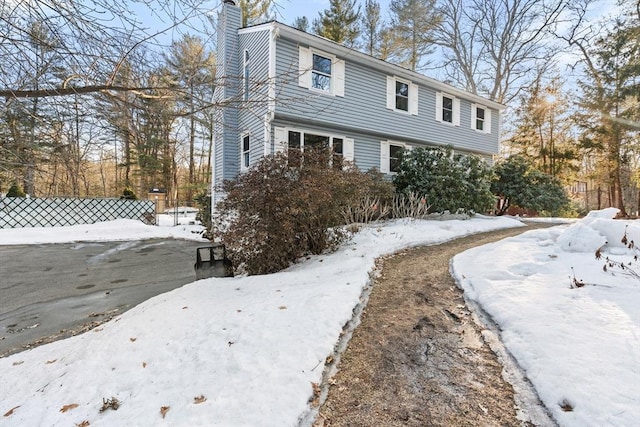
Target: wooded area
[106,95]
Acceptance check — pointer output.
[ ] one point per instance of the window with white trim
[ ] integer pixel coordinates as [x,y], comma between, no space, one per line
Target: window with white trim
[245,152]
[402,95]
[296,139]
[447,109]
[245,76]
[391,156]
[321,71]
[480,118]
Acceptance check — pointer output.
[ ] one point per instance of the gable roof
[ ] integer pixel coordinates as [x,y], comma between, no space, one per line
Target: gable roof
[290,33]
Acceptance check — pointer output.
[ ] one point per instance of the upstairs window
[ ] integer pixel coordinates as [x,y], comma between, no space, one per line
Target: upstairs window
[402,95]
[321,72]
[447,109]
[480,118]
[245,76]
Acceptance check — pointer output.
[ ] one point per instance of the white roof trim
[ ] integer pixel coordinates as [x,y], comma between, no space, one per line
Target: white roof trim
[291,33]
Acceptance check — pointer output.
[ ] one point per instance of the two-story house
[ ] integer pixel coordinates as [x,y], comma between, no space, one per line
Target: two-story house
[279,87]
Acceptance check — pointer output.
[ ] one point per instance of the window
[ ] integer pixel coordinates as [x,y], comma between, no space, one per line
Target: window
[338,153]
[402,95]
[395,156]
[447,109]
[391,156]
[480,118]
[321,72]
[244,165]
[245,77]
[294,139]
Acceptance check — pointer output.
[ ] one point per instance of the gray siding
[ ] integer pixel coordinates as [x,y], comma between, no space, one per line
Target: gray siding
[366,146]
[364,107]
[227,72]
[252,113]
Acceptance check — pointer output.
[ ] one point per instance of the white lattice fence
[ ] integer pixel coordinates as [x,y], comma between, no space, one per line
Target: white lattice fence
[16,212]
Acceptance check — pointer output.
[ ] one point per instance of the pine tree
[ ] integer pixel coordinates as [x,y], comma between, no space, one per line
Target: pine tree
[301,23]
[610,107]
[254,11]
[371,27]
[339,23]
[413,23]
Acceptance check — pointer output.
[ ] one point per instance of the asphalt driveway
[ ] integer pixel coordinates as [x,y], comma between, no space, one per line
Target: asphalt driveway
[52,291]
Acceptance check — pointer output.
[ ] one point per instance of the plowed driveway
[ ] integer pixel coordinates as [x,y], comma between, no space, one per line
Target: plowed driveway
[52,291]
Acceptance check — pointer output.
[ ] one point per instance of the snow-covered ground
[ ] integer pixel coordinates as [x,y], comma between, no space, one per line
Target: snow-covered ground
[573,327]
[245,351]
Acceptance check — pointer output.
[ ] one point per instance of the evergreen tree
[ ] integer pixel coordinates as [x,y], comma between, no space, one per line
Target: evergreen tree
[544,132]
[339,23]
[301,23]
[413,23]
[371,27]
[191,67]
[254,11]
[610,108]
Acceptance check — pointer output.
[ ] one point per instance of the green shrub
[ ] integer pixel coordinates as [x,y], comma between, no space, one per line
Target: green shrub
[448,182]
[285,207]
[15,191]
[128,194]
[521,185]
[204,204]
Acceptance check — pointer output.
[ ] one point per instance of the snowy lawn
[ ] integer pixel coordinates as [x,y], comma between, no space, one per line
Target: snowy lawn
[578,341]
[218,352]
[245,351]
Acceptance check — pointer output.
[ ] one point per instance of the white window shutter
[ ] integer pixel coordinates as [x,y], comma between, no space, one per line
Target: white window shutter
[474,112]
[338,75]
[456,111]
[280,143]
[391,93]
[487,120]
[439,106]
[384,156]
[304,67]
[413,99]
[348,149]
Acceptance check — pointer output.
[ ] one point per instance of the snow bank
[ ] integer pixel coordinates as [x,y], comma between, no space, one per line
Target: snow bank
[579,346]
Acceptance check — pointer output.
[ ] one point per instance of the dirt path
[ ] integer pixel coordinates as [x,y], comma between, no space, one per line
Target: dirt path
[418,358]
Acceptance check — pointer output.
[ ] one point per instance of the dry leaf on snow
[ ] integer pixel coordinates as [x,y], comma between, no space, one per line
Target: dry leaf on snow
[85,423]
[199,399]
[132,339]
[66,408]
[10,411]
[164,410]
[49,362]
[18,362]
[144,364]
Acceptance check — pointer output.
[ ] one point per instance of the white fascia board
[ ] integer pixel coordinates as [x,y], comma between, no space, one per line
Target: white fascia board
[391,69]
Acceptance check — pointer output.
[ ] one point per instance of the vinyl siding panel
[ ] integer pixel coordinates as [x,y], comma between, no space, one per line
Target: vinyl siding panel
[364,107]
[251,114]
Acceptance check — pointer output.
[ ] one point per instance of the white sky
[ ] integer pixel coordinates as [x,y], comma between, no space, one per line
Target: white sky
[252,346]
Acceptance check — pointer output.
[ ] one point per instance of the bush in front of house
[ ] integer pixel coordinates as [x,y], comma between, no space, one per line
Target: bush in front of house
[15,191]
[521,185]
[285,207]
[447,181]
